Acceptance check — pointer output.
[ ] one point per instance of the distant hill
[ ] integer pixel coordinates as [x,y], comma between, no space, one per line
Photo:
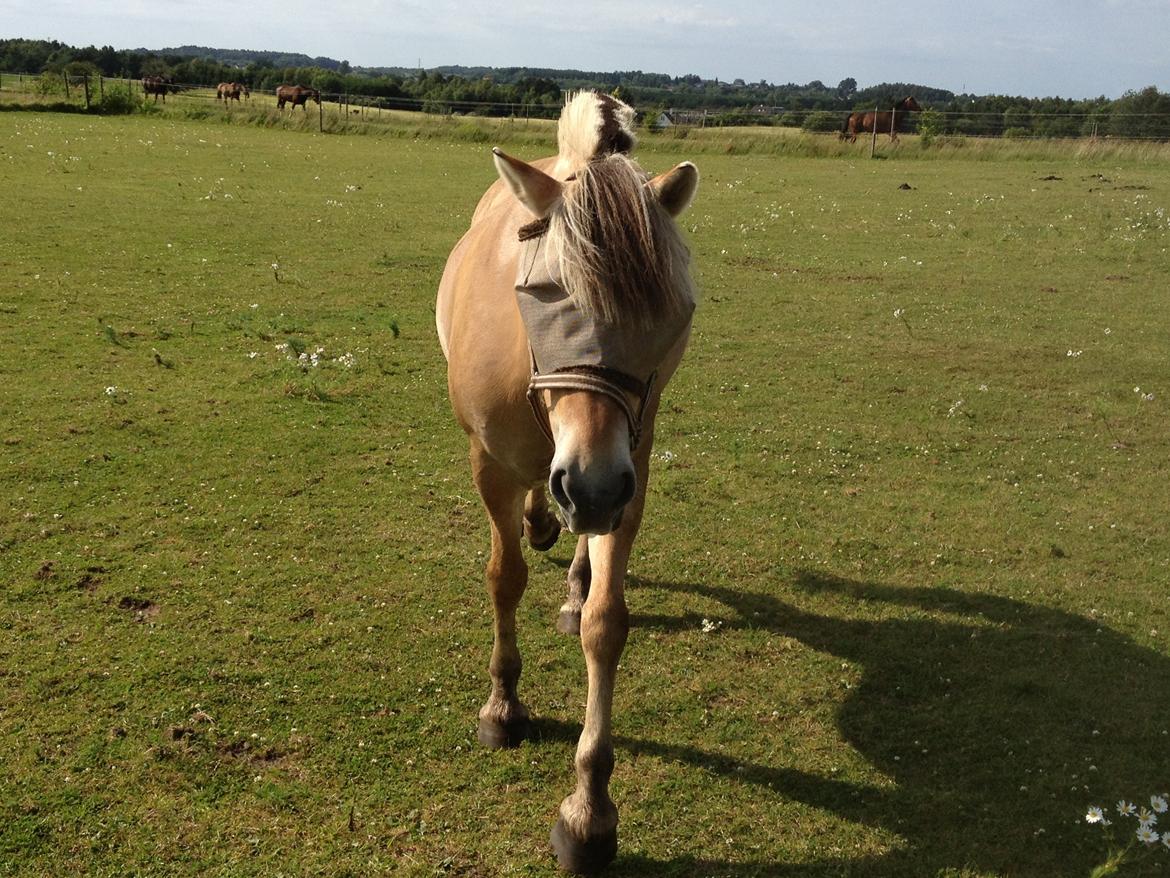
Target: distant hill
[244,57]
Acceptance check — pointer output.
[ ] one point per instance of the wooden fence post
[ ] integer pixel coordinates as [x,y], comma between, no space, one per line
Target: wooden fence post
[873,136]
[85,84]
[321,117]
[101,88]
[65,77]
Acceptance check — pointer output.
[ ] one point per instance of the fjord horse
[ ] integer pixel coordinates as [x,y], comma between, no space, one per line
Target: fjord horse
[563,311]
[884,122]
[231,91]
[297,95]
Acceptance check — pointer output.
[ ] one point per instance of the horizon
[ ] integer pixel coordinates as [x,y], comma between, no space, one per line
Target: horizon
[1082,49]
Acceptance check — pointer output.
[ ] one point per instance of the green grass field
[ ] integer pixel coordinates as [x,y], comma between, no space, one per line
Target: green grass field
[899,606]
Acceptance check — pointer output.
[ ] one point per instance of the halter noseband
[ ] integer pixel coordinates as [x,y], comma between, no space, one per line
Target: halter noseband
[592,379]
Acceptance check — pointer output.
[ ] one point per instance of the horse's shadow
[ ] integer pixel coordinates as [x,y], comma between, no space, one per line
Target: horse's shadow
[997,721]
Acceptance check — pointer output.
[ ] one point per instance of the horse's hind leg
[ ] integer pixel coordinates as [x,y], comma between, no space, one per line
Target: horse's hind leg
[541,527]
[580,575]
[503,720]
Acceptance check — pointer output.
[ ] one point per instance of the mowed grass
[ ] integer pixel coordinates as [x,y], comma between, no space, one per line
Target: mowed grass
[899,603]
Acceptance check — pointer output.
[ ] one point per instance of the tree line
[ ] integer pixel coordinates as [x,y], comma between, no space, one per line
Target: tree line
[538,91]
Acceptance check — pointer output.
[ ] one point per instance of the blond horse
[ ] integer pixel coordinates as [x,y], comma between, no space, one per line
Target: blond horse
[562,312]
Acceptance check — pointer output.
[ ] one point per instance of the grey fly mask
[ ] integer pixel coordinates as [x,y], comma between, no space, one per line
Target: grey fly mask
[576,351]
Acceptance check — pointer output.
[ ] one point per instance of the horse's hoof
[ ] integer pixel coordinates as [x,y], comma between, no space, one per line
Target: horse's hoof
[569,622]
[583,857]
[539,544]
[500,736]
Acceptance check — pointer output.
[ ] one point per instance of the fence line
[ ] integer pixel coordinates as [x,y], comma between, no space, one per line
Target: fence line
[77,88]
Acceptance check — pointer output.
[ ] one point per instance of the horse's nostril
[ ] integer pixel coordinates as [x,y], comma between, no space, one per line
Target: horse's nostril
[629,485]
[557,486]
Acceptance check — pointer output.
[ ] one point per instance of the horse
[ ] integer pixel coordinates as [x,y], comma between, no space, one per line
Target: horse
[562,312]
[298,95]
[158,85]
[231,91]
[884,122]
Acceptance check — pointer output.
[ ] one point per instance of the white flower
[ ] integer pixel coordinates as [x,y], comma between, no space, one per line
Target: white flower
[1158,803]
[1073,353]
[1147,835]
[1126,809]
[1094,815]
[898,312]
[1147,818]
[111,391]
[253,355]
[709,626]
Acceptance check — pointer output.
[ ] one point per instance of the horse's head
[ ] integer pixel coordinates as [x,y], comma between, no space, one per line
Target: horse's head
[909,105]
[606,297]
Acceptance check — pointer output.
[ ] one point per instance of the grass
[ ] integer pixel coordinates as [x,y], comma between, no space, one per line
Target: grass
[244,628]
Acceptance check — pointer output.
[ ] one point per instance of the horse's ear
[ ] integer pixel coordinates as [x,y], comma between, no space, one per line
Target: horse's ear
[676,188]
[532,187]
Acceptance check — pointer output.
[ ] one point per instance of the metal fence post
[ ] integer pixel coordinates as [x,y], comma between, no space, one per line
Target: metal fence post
[873,137]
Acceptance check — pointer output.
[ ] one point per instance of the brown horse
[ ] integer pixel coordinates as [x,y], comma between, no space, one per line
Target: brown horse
[297,95]
[563,311]
[884,122]
[231,91]
[158,86]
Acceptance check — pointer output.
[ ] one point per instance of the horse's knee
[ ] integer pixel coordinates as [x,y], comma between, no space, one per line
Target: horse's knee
[604,629]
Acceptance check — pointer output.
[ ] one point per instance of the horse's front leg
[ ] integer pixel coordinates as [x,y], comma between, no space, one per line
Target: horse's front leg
[503,720]
[585,834]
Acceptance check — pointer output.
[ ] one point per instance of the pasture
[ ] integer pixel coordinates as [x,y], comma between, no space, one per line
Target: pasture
[899,605]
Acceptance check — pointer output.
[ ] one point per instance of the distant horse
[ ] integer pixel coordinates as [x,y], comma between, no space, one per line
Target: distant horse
[158,86]
[563,312]
[231,91]
[297,95]
[884,122]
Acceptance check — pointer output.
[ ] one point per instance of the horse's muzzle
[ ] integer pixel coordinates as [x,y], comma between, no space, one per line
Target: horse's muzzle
[590,504]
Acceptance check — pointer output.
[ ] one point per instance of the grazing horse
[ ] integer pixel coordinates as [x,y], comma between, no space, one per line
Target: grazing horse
[297,95]
[231,91]
[885,122]
[157,86]
[563,311]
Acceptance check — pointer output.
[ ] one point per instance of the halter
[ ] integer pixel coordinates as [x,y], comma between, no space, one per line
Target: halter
[576,361]
[593,379]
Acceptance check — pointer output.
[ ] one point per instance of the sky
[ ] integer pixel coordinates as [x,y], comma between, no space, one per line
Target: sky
[1064,48]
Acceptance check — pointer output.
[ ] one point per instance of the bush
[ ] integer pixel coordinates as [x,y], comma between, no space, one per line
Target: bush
[119,100]
[929,126]
[1016,132]
[50,84]
[822,120]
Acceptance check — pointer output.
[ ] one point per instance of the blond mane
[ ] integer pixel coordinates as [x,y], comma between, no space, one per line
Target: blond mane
[618,254]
